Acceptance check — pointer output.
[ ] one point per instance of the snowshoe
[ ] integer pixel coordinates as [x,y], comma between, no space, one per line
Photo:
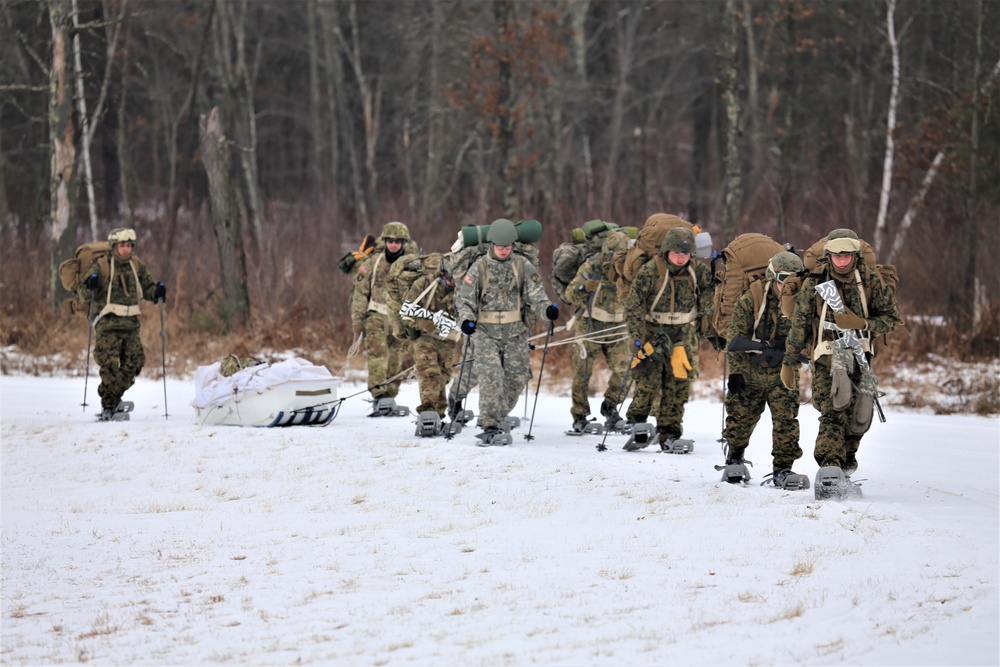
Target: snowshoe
[735,471]
[640,438]
[457,414]
[613,422]
[509,423]
[452,429]
[677,446]
[119,414]
[386,407]
[494,436]
[832,483]
[429,424]
[787,480]
[579,426]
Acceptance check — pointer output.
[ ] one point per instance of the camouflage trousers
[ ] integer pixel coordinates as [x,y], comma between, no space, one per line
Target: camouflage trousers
[433,356]
[743,412]
[585,354]
[387,356]
[503,366]
[121,358]
[658,379]
[835,444]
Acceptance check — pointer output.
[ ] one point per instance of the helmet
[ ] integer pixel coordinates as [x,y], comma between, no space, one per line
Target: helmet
[502,232]
[396,230]
[678,239]
[841,240]
[121,235]
[615,242]
[782,265]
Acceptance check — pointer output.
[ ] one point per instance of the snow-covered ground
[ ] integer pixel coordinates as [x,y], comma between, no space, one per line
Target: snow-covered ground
[159,541]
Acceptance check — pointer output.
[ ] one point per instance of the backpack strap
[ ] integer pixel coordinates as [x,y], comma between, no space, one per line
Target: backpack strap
[377,306]
[118,309]
[671,317]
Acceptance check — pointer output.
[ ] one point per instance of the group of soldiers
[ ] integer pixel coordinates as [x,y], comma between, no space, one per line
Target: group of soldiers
[647,321]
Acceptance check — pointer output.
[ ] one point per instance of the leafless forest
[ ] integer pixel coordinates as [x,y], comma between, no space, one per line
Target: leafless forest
[324,119]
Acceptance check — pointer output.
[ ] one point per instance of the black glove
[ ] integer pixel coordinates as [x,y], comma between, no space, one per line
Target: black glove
[737,383]
[552,312]
[92,281]
[411,332]
[468,327]
[160,293]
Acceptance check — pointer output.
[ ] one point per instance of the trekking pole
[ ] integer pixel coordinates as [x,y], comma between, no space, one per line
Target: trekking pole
[163,359]
[90,335]
[538,387]
[628,371]
[458,392]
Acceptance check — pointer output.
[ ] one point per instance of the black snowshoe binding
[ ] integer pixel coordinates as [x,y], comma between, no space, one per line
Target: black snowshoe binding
[586,426]
[494,436]
[640,438]
[613,422]
[674,445]
[787,480]
[386,407]
[735,471]
[457,414]
[832,483]
[429,424]
[119,414]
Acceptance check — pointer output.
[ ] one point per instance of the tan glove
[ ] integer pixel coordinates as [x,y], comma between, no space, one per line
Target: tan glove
[590,286]
[788,378]
[849,320]
[679,362]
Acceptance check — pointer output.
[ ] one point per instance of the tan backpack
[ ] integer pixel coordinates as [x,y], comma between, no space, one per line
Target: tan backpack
[743,261]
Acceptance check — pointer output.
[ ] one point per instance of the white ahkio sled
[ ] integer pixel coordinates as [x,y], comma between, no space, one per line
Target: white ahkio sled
[293,392]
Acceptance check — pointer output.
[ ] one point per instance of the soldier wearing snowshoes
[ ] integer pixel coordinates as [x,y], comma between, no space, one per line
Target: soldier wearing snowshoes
[497,293]
[422,291]
[117,283]
[372,319]
[755,375]
[601,330]
[843,387]
[666,311]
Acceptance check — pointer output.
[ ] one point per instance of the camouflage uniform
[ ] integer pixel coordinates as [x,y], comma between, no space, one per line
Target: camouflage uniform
[117,349]
[835,444]
[495,291]
[603,314]
[432,353]
[763,382]
[687,299]
[388,353]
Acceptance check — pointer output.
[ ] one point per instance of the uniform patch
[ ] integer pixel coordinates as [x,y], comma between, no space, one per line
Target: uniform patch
[536,278]
[364,268]
[468,279]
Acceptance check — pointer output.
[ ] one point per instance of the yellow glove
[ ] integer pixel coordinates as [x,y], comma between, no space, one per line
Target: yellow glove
[848,320]
[679,362]
[788,378]
[642,357]
[366,248]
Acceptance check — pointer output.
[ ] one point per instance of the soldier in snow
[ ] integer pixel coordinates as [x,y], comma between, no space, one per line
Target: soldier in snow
[121,281]
[493,299]
[372,318]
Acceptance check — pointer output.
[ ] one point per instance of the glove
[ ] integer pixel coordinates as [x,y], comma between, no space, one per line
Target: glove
[849,320]
[552,312]
[679,362]
[92,282]
[788,378]
[642,358]
[411,332]
[367,245]
[590,286]
[160,293]
[737,383]
[468,327]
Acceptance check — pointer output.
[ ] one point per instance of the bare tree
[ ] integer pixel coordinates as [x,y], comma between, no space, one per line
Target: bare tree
[62,187]
[225,219]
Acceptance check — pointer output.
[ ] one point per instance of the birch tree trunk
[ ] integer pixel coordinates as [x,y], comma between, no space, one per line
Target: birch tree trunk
[215,150]
[62,184]
[890,128]
[81,102]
